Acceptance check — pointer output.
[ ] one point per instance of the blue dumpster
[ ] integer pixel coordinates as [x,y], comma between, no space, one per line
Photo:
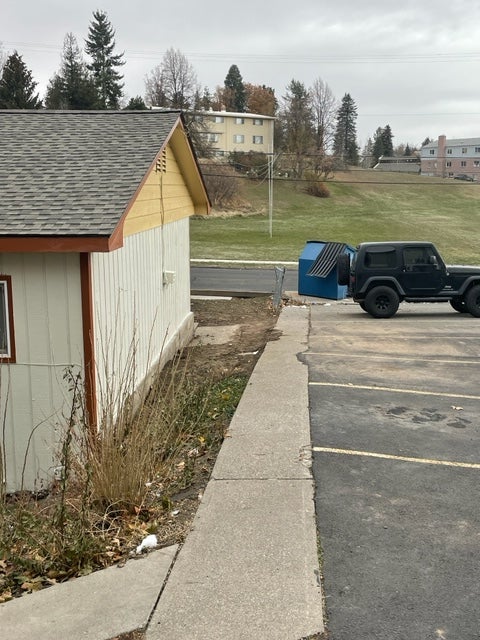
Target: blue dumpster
[317,269]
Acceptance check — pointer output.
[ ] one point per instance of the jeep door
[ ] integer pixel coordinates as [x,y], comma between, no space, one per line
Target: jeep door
[422,272]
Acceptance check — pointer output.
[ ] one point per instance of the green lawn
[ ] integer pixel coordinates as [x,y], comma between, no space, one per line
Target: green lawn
[364,206]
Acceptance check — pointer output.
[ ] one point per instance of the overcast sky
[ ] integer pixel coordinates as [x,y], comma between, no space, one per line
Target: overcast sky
[412,64]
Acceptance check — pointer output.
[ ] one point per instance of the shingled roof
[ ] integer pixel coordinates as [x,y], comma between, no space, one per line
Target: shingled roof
[73,173]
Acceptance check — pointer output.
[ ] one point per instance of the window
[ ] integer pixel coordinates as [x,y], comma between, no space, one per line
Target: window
[464,150]
[432,152]
[239,120]
[7,343]
[449,151]
[258,122]
[463,163]
[419,259]
[238,138]
[218,119]
[257,139]
[449,163]
[476,163]
[211,137]
[384,258]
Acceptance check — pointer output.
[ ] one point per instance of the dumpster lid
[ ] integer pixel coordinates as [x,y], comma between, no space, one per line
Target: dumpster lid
[326,259]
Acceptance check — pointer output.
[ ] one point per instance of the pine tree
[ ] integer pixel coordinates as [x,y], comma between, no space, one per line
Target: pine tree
[387,138]
[345,143]
[235,96]
[100,46]
[72,87]
[136,104]
[378,149]
[17,85]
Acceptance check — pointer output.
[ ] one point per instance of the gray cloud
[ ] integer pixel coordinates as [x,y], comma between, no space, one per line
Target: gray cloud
[411,65]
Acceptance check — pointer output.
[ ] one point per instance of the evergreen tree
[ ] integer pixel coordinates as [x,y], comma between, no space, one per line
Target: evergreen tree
[100,46]
[408,151]
[387,138]
[72,87]
[345,142]
[136,104]
[378,148]
[235,96]
[17,86]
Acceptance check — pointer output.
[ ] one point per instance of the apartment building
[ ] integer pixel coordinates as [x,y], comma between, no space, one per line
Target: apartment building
[449,158]
[229,131]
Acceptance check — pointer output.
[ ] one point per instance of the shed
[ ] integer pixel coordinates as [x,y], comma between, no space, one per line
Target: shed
[317,269]
[94,263]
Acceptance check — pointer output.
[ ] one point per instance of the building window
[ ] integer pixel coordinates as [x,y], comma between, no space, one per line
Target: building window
[211,137]
[432,152]
[449,151]
[239,120]
[476,163]
[477,149]
[463,163]
[257,139]
[218,119]
[7,342]
[449,163]
[238,138]
[258,122]
[464,150]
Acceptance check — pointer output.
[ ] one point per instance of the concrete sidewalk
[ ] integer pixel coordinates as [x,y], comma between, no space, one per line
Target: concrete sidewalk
[249,568]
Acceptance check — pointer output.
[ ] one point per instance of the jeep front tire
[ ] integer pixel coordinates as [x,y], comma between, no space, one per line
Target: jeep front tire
[382,302]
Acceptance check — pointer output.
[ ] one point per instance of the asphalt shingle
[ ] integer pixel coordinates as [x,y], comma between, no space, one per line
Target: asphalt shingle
[73,173]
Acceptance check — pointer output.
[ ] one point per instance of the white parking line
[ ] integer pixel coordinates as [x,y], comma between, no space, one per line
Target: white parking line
[452,360]
[394,390]
[386,456]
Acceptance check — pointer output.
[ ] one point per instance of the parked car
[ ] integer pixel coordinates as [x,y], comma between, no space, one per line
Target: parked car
[463,176]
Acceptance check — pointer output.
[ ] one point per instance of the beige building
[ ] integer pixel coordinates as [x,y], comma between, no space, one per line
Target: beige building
[229,131]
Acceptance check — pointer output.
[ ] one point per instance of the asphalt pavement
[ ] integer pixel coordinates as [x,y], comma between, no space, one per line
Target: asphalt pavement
[394,408]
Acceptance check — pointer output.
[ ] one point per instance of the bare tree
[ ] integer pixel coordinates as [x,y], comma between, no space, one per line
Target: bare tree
[173,83]
[325,107]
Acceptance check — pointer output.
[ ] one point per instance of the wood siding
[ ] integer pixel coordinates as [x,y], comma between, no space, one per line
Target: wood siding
[163,198]
[48,333]
[137,317]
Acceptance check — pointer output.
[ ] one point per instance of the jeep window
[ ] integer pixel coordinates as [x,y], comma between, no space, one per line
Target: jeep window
[418,258]
[384,259]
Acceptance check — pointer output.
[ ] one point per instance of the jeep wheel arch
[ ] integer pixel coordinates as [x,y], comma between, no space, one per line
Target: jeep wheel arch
[343,269]
[382,302]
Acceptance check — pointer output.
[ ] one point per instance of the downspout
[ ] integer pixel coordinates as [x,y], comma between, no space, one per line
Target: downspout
[88,340]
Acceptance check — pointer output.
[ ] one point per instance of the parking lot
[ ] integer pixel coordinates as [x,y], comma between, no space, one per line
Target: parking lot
[394,410]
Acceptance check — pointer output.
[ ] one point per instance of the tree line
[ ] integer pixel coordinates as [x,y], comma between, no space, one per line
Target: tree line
[313,128]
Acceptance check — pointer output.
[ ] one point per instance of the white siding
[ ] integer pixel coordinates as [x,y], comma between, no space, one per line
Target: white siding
[48,337]
[135,313]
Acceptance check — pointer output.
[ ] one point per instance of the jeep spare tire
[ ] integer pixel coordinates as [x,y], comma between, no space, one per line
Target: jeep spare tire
[343,269]
[382,302]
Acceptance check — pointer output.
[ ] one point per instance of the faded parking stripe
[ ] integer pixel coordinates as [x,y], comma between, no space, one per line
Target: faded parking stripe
[387,456]
[393,390]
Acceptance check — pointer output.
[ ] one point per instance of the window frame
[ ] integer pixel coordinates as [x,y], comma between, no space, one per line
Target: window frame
[257,140]
[238,138]
[7,300]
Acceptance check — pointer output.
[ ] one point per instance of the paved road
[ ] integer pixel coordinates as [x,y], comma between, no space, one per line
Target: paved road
[240,281]
[396,436]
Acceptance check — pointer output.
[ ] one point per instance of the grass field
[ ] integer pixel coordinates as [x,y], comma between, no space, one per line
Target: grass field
[364,206]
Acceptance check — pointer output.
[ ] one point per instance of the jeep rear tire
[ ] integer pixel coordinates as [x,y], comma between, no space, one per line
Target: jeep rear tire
[472,301]
[382,302]
[343,269]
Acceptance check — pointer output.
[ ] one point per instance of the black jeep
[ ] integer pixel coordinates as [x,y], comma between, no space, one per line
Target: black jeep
[383,274]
